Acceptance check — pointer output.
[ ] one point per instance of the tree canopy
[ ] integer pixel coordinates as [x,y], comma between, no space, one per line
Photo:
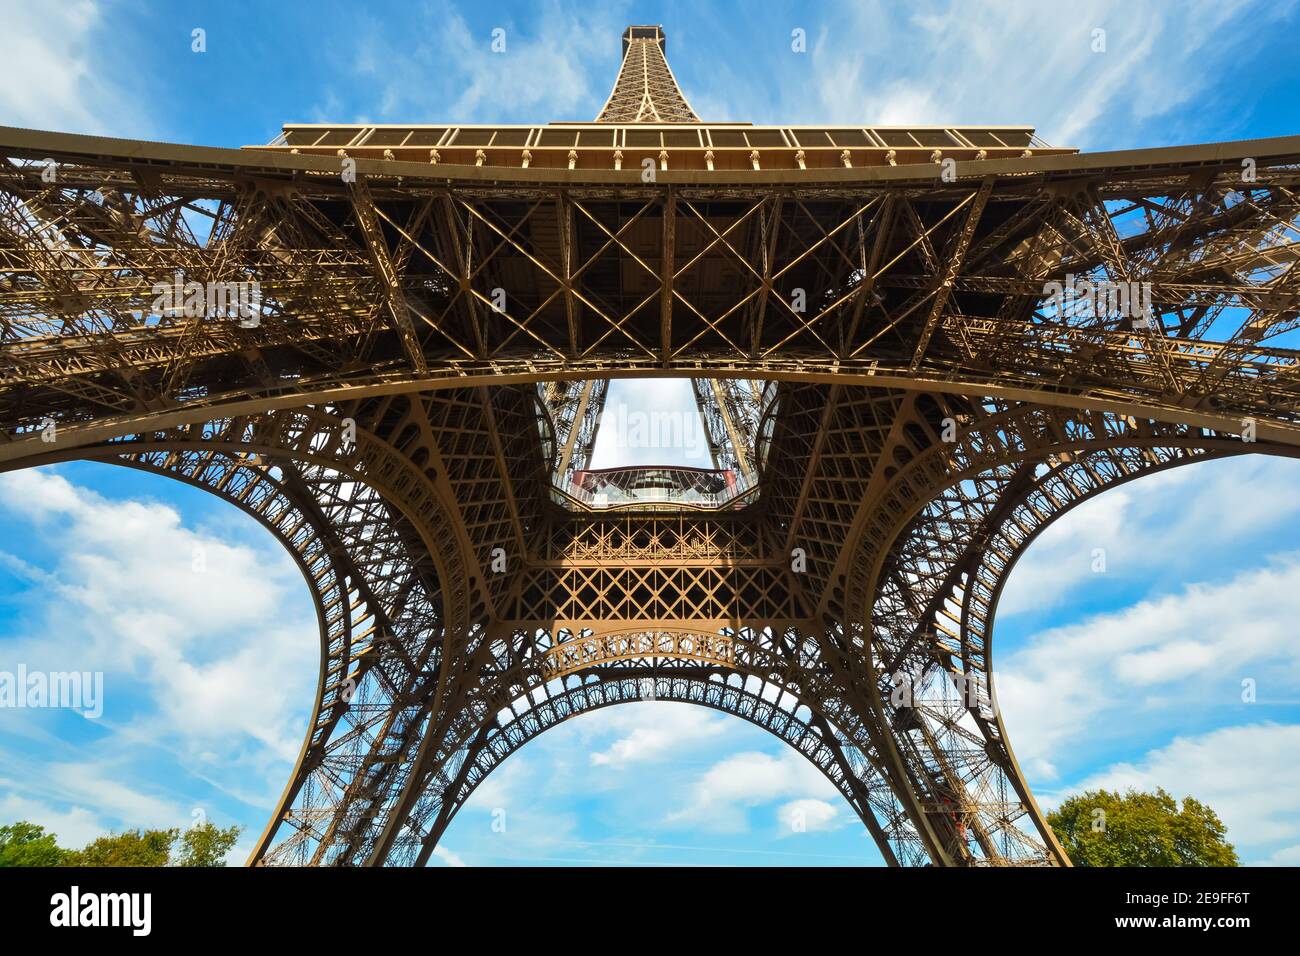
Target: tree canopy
[1101,828]
[27,844]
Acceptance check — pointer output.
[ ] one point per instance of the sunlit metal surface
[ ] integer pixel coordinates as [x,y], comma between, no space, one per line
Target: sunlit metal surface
[911,349]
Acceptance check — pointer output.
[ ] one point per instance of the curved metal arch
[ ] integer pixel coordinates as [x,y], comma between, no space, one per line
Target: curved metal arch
[326,567]
[308,445]
[326,572]
[844,764]
[514,675]
[29,448]
[1067,474]
[993,447]
[1050,498]
[848,775]
[918,468]
[989,458]
[1015,536]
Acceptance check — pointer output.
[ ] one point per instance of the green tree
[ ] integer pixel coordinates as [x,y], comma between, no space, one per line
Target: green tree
[26,844]
[206,845]
[129,848]
[1100,828]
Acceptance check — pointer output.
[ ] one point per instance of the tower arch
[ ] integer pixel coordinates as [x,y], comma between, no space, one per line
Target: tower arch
[423,299]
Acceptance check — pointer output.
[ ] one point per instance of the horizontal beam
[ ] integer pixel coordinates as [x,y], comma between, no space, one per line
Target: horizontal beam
[40,144]
[22,452]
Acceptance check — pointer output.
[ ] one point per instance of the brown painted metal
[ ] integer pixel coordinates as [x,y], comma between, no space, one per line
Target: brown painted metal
[873,344]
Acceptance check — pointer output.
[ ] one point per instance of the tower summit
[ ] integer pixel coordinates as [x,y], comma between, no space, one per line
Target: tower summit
[646,90]
[647,119]
[913,349]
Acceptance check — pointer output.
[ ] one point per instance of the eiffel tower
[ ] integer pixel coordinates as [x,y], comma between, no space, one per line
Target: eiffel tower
[912,350]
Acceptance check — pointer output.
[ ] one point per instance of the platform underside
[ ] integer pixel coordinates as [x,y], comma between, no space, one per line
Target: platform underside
[931,411]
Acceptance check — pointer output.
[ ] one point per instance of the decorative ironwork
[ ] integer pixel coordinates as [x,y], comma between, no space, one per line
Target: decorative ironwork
[913,348]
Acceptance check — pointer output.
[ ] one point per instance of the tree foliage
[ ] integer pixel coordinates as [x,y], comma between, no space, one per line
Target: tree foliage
[1101,828]
[130,848]
[206,845]
[26,844]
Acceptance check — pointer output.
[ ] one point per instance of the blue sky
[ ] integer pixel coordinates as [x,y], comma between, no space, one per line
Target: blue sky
[1128,677]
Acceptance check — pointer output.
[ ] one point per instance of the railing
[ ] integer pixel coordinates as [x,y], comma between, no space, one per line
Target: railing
[655,487]
[703,147]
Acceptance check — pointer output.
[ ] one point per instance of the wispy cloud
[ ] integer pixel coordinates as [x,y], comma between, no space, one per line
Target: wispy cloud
[670,730]
[722,796]
[550,65]
[1247,774]
[208,648]
[955,62]
[62,69]
[1083,684]
[150,598]
[1154,531]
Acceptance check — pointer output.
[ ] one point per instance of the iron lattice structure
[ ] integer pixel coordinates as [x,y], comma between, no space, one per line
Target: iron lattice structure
[867,319]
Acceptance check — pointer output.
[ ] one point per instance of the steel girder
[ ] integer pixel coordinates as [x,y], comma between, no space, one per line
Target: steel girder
[933,412]
[576,408]
[907,280]
[730,411]
[645,90]
[413,712]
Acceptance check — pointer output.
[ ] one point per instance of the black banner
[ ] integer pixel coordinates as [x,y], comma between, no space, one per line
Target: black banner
[335,906]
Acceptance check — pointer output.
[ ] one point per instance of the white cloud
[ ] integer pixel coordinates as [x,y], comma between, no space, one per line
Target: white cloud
[651,731]
[562,806]
[448,857]
[1249,775]
[1287,856]
[208,668]
[73,827]
[60,69]
[522,830]
[1153,528]
[991,63]
[721,796]
[95,803]
[205,624]
[82,801]
[501,786]
[551,68]
[809,816]
[1152,660]
[1061,559]
[100,786]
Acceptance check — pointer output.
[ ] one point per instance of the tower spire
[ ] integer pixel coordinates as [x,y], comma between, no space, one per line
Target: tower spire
[646,90]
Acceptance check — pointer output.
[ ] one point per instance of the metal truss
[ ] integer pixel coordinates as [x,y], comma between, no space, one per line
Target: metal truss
[920,367]
[575,410]
[646,90]
[907,281]
[730,410]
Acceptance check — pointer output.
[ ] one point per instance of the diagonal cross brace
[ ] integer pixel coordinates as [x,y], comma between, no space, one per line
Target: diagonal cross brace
[364,206]
[950,269]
